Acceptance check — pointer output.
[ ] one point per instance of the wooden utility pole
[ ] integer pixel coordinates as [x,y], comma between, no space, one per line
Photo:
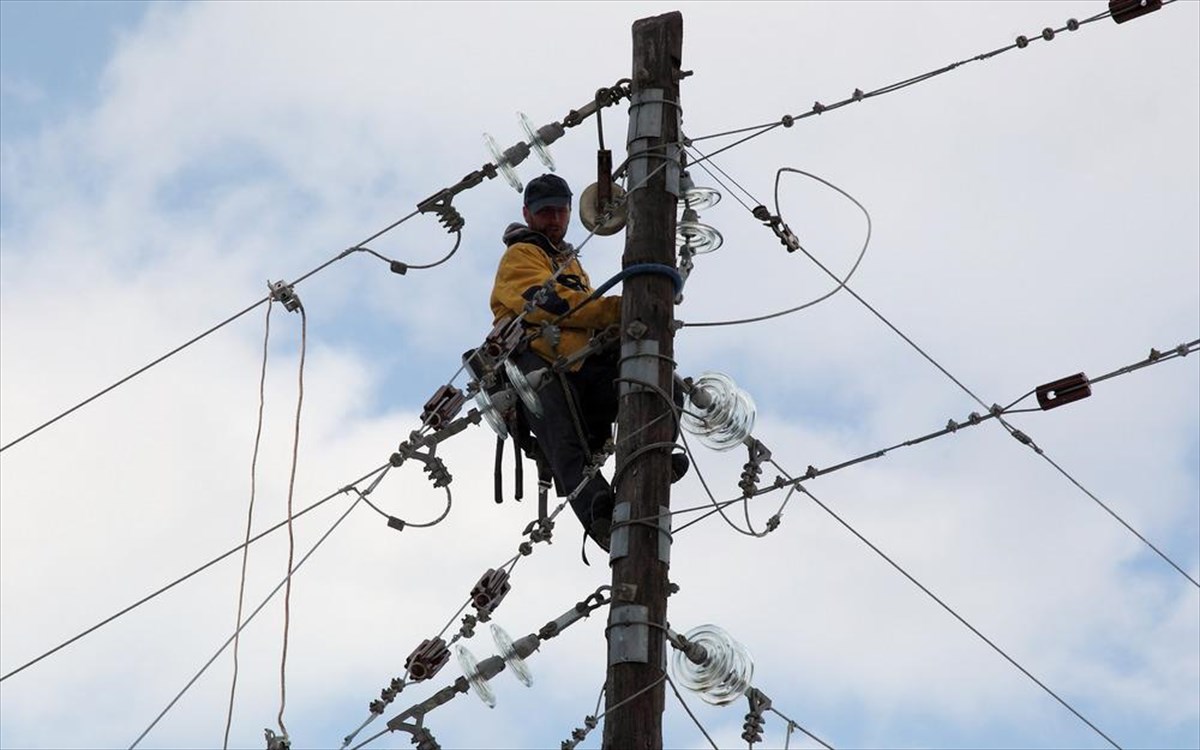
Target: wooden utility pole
[641,550]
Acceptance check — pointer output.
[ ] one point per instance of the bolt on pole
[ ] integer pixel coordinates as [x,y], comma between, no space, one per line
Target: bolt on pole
[640,552]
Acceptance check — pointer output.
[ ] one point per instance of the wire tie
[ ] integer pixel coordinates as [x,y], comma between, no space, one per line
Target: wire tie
[811,473]
[952,426]
[1047,33]
[858,95]
[818,107]
[1182,350]
[1155,355]
[1022,41]
[974,418]
[788,121]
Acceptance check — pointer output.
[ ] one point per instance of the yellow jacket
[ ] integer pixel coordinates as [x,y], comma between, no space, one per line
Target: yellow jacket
[526,265]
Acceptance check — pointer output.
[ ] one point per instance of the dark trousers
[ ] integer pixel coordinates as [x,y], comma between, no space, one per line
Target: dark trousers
[593,389]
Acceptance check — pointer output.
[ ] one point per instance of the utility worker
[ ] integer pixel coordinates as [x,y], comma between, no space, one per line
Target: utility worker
[580,405]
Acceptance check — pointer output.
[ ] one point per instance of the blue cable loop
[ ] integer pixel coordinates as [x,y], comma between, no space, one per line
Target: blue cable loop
[639,269]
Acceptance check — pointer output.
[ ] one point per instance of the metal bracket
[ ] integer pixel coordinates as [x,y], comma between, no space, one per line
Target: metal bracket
[628,634]
[646,121]
[618,543]
[664,534]
[639,361]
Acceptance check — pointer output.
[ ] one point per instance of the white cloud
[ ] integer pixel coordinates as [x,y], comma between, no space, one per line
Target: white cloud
[1034,215]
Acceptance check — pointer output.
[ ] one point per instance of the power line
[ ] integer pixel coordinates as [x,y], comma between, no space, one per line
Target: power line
[185,577]
[287,579]
[958,617]
[859,95]
[841,282]
[187,343]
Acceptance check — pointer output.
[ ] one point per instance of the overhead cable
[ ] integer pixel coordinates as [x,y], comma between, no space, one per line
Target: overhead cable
[787,121]
[229,640]
[959,617]
[186,576]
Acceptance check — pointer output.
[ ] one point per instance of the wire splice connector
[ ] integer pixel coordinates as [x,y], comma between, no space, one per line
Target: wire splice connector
[777,225]
[284,294]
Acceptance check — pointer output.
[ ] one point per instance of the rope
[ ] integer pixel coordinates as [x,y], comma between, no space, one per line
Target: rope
[262,397]
[287,595]
[247,622]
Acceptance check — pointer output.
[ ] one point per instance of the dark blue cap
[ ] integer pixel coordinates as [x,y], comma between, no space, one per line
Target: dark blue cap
[547,190]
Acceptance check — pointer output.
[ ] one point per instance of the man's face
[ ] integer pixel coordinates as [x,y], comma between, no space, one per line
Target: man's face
[551,221]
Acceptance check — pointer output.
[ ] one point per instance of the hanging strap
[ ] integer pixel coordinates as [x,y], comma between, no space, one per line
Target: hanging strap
[499,469]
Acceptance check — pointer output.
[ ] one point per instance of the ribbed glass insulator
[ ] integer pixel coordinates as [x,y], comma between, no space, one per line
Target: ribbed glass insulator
[506,169]
[700,238]
[699,198]
[487,408]
[470,668]
[718,412]
[726,673]
[504,644]
[535,141]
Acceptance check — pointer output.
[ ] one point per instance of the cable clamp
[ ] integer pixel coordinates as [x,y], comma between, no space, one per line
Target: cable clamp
[539,530]
[952,426]
[752,728]
[277,741]
[439,203]
[777,225]
[753,467]
[284,294]
[467,629]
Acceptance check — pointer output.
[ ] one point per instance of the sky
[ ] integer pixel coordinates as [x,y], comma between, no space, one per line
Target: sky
[1033,216]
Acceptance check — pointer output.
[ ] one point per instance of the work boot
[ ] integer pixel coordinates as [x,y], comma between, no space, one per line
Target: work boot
[679,466]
